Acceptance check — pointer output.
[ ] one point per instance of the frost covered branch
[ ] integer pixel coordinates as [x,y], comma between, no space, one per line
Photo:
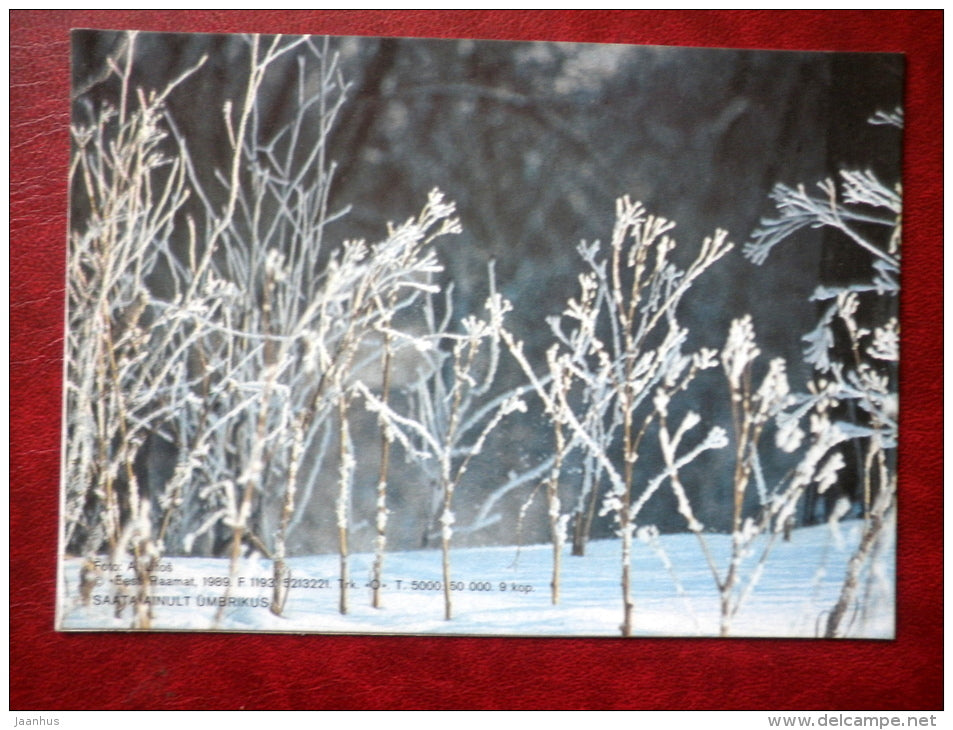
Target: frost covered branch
[854,354]
[617,342]
[451,412]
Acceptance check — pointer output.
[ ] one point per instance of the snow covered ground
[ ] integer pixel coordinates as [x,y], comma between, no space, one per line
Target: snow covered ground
[505,591]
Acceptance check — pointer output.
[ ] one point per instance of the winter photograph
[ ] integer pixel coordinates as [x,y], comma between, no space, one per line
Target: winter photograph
[405,336]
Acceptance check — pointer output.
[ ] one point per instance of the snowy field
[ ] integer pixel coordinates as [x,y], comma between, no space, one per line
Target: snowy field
[505,591]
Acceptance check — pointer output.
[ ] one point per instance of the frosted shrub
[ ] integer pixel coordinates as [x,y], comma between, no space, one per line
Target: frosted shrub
[854,356]
[617,362]
[248,360]
[452,409]
[123,367]
[752,409]
[390,278]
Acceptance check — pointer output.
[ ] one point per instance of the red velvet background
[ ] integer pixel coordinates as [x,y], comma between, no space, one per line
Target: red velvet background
[50,670]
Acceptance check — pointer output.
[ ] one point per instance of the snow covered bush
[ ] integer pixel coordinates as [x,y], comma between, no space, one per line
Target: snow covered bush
[612,373]
[452,409]
[226,330]
[752,409]
[854,351]
[389,277]
[124,365]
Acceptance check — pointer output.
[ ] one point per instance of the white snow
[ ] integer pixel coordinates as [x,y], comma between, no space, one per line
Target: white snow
[505,591]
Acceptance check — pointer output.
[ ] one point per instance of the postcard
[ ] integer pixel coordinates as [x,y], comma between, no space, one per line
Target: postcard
[412,336]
